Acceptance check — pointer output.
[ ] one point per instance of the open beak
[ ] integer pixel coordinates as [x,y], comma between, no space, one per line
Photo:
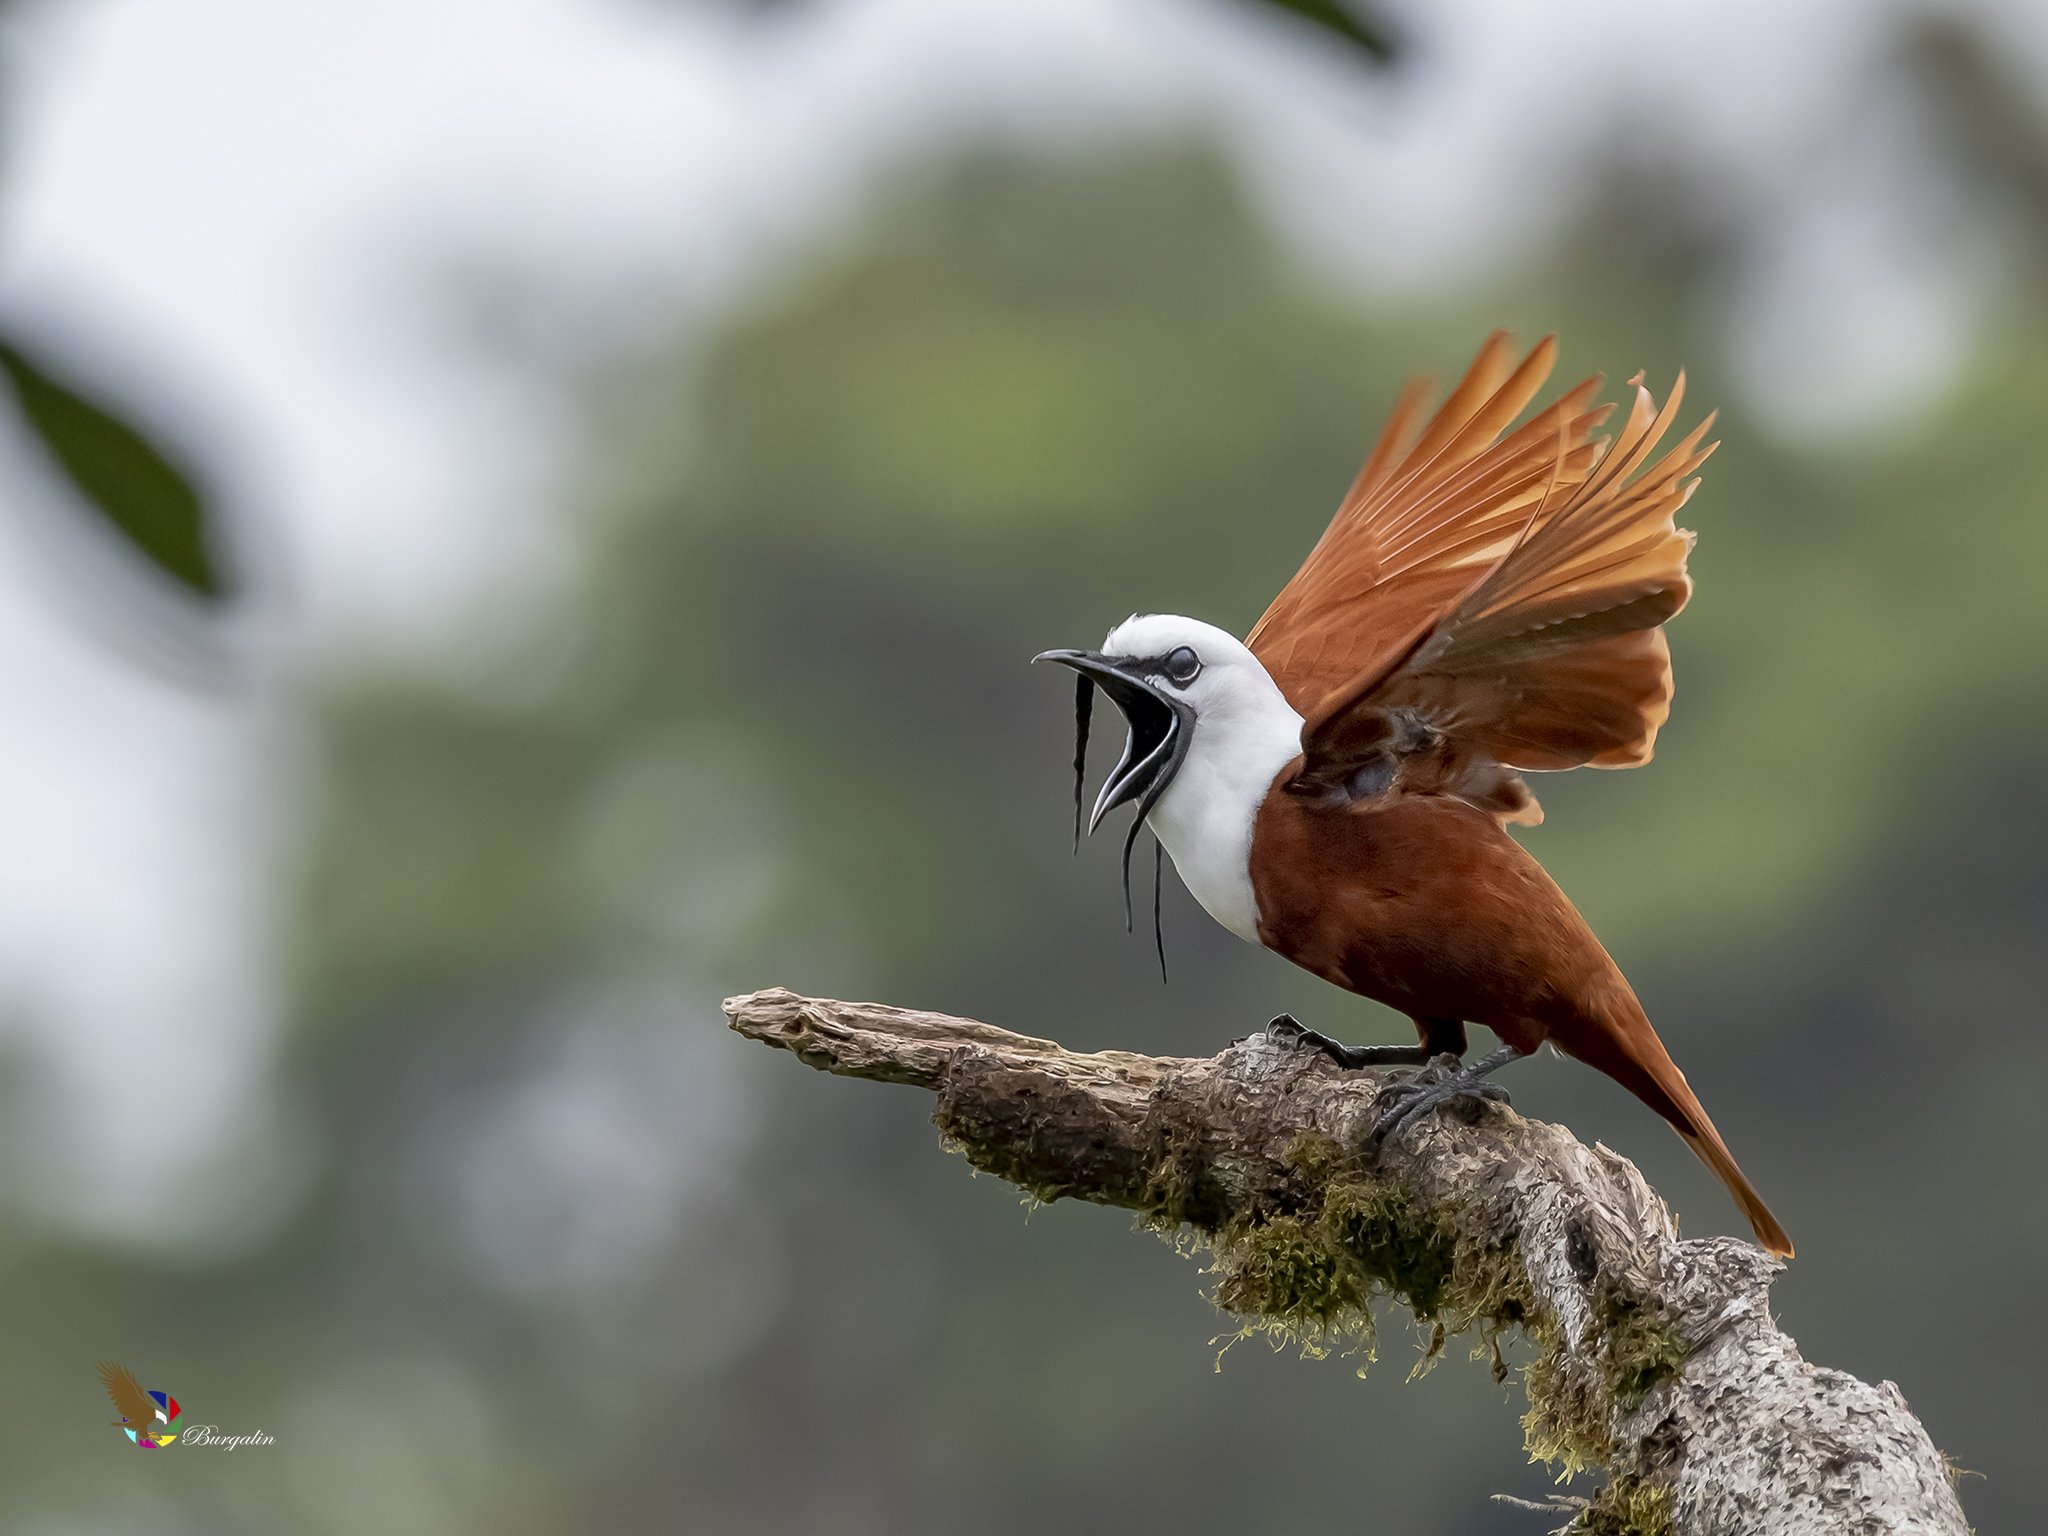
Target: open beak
[1160,729]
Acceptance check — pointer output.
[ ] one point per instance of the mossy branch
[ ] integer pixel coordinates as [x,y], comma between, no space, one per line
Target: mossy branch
[1656,1360]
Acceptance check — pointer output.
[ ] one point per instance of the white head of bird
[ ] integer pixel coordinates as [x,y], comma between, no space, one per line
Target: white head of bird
[1209,732]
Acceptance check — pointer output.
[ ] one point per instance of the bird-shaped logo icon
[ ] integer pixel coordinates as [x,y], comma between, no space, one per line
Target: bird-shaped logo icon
[146,1417]
[1488,602]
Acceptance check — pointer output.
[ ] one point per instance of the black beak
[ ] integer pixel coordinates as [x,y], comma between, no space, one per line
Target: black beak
[1160,728]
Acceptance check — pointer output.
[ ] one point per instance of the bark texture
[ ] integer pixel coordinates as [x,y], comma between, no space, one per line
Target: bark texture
[1656,1359]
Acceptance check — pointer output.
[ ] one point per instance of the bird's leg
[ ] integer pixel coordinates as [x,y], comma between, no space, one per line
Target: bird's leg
[1402,1102]
[1288,1027]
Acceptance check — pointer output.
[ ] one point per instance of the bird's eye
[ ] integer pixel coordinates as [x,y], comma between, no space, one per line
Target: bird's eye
[1181,666]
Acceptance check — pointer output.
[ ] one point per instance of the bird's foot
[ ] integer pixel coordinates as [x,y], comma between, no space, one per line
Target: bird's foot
[1403,1102]
[1290,1031]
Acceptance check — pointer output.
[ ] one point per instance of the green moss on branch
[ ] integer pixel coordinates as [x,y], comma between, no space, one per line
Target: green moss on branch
[1313,1262]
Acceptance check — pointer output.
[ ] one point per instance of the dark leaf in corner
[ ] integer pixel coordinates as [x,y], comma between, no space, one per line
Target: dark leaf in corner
[146,499]
[1358,26]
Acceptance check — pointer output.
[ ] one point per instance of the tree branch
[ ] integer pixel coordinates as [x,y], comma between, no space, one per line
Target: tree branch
[1655,1358]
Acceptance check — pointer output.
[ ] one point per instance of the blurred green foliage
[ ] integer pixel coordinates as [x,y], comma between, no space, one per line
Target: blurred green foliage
[1363,29]
[1357,29]
[571,1257]
[141,497]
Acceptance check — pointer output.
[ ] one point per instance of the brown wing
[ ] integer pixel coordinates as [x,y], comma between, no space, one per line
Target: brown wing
[130,1401]
[1492,602]
[1433,510]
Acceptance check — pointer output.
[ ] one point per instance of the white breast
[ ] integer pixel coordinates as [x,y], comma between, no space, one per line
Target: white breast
[1205,817]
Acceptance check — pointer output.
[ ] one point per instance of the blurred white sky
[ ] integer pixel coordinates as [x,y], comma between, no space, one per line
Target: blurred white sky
[255,216]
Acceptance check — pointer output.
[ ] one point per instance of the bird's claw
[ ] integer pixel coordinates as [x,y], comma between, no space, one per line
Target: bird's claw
[1407,1100]
[1289,1031]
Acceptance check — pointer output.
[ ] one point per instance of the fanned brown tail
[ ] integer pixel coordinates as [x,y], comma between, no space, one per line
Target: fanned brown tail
[1629,1051]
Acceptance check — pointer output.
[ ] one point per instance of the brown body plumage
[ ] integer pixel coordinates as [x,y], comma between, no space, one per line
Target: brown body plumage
[1426,904]
[1506,593]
